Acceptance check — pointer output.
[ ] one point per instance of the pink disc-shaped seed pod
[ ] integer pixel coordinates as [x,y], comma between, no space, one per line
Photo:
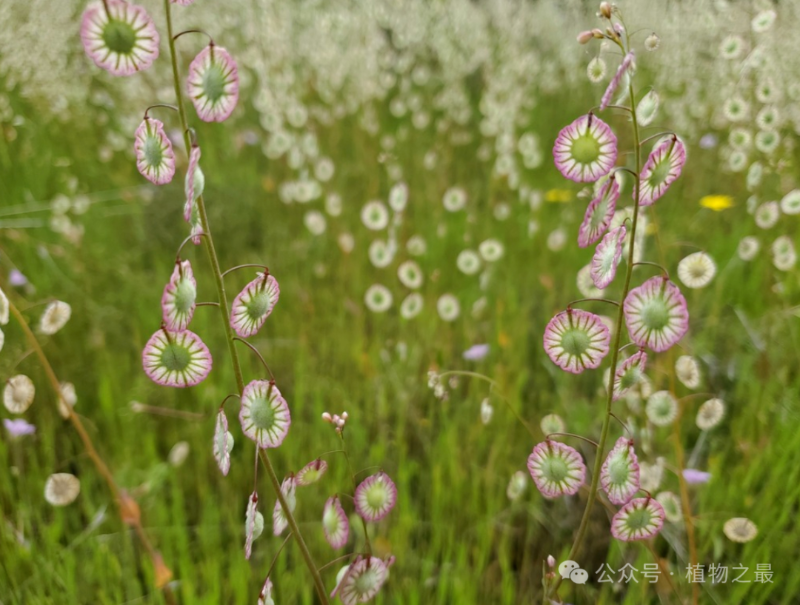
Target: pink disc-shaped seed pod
[335,523]
[176,359]
[606,257]
[656,314]
[362,580]
[663,167]
[585,150]
[180,298]
[599,213]
[264,414]
[193,186]
[119,37]
[196,232]
[213,84]
[265,596]
[576,340]
[311,472]
[375,497]
[250,523]
[612,87]
[629,373]
[155,158]
[253,304]
[619,476]
[289,491]
[223,443]
[639,519]
[556,469]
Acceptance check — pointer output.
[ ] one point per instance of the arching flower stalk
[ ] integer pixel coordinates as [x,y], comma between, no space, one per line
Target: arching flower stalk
[654,313]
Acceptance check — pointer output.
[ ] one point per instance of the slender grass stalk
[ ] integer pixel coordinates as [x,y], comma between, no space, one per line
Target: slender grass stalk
[355,487]
[598,463]
[680,459]
[126,506]
[225,313]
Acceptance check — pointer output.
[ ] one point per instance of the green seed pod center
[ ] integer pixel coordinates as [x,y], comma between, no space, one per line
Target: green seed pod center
[619,471]
[599,213]
[575,342]
[365,582]
[629,378]
[555,469]
[258,305]
[262,414]
[586,149]
[185,294]
[639,519]
[655,315]
[119,36]
[214,82]
[660,172]
[376,497]
[153,153]
[175,357]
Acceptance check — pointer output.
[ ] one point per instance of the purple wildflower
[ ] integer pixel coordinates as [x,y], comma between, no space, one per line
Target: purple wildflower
[18,427]
[476,352]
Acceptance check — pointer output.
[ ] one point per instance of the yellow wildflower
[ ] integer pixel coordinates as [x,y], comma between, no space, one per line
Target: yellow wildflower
[717,203]
[558,195]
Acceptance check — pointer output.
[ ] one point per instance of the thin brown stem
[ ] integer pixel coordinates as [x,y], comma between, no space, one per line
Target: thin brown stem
[166,105]
[257,353]
[604,300]
[586,439]
[275,558]
[237,267]
[355,487]
[126,506]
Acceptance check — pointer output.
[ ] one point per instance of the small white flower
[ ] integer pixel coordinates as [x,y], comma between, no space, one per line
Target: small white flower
[55,316]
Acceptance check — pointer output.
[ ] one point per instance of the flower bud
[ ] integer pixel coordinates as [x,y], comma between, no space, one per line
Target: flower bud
[584,37]
[327,417]
[598,33]
[605,9]
[551,561]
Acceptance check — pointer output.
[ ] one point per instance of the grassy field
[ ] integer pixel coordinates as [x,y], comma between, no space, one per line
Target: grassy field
[456,535]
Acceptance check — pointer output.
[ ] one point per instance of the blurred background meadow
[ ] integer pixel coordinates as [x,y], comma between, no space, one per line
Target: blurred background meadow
[340,102]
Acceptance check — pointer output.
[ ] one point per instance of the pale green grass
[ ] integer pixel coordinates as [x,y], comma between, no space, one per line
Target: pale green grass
[456,536]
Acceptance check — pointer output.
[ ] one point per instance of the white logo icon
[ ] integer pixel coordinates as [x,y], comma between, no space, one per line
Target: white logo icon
[570,570]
